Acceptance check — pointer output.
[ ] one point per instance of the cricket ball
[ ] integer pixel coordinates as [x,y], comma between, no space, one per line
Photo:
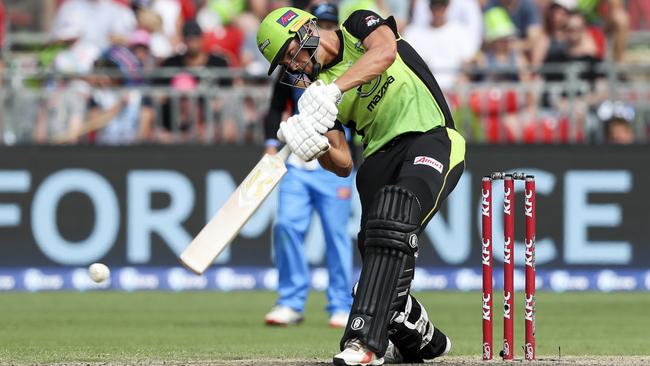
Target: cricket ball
[98,272]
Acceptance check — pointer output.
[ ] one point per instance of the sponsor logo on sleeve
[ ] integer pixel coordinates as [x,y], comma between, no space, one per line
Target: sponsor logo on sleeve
[371,20]
[287,17]
[426,160]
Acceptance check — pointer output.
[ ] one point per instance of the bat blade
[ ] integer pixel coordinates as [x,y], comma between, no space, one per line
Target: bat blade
[241,205]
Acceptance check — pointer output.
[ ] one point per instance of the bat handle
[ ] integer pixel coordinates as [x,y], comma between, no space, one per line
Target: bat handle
[284,153]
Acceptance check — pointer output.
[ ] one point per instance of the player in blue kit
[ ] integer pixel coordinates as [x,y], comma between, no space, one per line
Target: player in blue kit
[307,187]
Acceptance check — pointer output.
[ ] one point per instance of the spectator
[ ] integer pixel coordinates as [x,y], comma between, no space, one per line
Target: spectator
[188,10]
[219,12]
[466,12]
[564,97]
[247,19]
[502,60]
[187,123]
[149,21]
[327,14]
[501,106]
[617,118]
[140,46]
[579,47]
[104,22]
[619,131]
[68,47]
[171,13]
[251,121]
[222,34]
[195,58]
[526,17]
[451,52]
[195,55]
[612,15]
[554,39]
[60,116]
[122,116]
[399,9]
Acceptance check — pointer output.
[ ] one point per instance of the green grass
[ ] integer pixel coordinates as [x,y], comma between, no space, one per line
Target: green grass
[130,327]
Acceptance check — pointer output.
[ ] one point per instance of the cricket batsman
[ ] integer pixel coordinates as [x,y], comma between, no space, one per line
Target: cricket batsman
[368,78]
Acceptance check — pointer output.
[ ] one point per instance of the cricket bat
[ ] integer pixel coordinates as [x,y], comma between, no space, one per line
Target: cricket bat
[241,205]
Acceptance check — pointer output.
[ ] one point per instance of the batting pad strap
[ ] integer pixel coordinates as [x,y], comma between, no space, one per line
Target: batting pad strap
[414,335]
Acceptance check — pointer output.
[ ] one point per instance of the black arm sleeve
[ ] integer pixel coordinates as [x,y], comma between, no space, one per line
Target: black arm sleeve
[281,94]
[363,22]
[338,126]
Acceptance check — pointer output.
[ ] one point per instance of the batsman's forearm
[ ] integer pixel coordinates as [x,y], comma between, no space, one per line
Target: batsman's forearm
[369,66]
[337,161]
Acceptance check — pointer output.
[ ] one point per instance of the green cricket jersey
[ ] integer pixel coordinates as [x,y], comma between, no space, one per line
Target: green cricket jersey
[405,98]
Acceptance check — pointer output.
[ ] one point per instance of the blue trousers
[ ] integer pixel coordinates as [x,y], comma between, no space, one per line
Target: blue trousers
[301,192]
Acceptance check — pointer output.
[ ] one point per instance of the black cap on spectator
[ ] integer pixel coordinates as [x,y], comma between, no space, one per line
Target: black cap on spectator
[438,2]
[192,28]
[326,11]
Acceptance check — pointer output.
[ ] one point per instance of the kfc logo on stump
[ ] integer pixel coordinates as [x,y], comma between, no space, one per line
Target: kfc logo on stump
[487,351]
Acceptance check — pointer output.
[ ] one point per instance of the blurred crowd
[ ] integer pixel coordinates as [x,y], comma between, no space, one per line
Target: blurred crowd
[497,61]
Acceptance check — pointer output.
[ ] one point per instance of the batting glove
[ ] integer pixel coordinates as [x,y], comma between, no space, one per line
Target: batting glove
[320,101]
[299,133]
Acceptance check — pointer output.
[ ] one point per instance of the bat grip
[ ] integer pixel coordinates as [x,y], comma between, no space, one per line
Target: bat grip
[284,153]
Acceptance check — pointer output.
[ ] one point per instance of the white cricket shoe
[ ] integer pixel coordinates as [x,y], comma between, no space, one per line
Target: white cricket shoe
[338,320]
[356,353]
[283,316]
